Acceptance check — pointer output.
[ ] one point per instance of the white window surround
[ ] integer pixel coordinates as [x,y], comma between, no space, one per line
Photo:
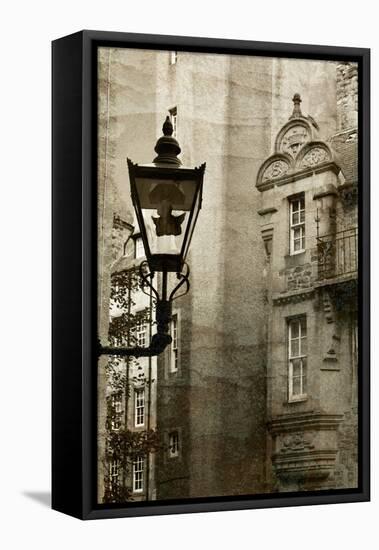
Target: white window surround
[138,474]
[297,224]
[174,347]
[297,359]
[116,405]
[139,407]
[141,334]
[114,468]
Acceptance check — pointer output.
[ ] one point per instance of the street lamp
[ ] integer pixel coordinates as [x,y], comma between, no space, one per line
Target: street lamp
[167,199]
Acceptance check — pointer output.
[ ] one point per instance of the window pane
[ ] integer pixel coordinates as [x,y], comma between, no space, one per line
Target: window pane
[296,386]
[303,326]
[295,206]
[295,218]
[302,216]
[295,327]
[304,384]
[294,351]
[303,346]
[296,367]
[139,403]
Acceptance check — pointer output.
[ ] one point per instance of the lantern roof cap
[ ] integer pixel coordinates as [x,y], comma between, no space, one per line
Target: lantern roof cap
[167,147]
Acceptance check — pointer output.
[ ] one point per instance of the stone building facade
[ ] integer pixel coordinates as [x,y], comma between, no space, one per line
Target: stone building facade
[269,267]
[309,229]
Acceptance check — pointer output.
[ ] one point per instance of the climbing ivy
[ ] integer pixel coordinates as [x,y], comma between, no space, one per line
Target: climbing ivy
[123,445]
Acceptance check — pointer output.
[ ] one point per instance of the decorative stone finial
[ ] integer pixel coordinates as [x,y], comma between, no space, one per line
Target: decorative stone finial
[296,113]
[167,146]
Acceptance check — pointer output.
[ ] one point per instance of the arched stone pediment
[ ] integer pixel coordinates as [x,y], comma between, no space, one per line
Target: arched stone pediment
[293,136]
[297,152]
[276,166]
[313,154]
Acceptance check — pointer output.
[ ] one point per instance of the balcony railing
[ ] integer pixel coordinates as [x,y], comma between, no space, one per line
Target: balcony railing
[338,254]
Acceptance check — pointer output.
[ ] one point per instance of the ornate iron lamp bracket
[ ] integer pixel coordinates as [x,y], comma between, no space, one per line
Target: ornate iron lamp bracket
[162,338]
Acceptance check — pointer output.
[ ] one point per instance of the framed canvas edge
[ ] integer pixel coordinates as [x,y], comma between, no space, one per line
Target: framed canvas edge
[90,41]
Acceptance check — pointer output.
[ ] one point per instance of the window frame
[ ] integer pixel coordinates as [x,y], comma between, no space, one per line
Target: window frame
[174,346]
[138,407]
[173,453]
[116,399]
[299,225]
[114,472]
[303,357]
[138,461]
[173,57]
[141,334]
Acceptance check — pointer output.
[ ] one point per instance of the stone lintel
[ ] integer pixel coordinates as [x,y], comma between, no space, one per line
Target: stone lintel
[269,210]
[293,296]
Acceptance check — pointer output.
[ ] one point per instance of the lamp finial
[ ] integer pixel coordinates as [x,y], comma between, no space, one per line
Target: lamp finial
[167,147]
[167,127]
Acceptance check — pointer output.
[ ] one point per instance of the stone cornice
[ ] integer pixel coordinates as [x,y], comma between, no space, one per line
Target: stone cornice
[293,296]
[312,420]
[305,173]
[305,465]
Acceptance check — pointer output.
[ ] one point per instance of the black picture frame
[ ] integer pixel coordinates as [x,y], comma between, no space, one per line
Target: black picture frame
[74,356]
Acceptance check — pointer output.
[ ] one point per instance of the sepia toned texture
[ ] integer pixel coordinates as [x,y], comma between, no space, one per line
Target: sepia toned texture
[258,391]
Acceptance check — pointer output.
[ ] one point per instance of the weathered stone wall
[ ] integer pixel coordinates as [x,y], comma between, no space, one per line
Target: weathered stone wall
[347,96]
[218,395]
[346,472]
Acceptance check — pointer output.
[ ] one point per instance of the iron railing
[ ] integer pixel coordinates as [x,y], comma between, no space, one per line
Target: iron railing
[338,254]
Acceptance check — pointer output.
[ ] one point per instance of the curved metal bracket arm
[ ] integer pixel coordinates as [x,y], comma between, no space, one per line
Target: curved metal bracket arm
[162,338]
[183,278]
[159,341]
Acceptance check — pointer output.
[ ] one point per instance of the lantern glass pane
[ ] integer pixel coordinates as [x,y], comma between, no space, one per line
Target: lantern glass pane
[166,207]
[192,223]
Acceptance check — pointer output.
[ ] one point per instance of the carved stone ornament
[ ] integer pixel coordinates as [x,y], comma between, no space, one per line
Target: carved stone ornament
[315,156]
[296,442]
[275,170]
[297,151]
[304,446]
[294,139]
